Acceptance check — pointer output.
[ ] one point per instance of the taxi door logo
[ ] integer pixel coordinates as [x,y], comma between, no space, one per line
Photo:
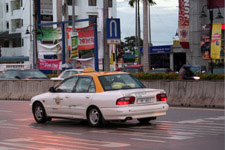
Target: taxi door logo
[57,100]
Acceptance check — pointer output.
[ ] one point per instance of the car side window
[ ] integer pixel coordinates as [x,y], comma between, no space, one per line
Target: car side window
[84,85]
[67,85]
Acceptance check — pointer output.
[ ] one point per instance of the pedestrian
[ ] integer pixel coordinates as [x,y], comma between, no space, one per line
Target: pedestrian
[117,67]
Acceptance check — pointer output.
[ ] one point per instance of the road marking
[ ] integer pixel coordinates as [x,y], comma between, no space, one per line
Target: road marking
[189,108]
[22,145]
[24,119]
[147,140]
[5,111]
[38,141]
[218,118]
[92,142]
[3,127]
[70,133]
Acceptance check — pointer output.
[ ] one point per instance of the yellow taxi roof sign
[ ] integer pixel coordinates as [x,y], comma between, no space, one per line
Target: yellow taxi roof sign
[88,70]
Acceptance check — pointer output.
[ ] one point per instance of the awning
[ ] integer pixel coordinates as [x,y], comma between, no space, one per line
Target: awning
[14,59]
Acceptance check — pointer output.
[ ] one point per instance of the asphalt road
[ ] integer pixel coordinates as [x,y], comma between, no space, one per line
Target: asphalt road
[180,129]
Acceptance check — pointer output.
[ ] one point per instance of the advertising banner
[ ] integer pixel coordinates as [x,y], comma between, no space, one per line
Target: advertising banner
[49,34]
[50,64]
[205,42]
[216,41]
[74,43]
[183,24]
[85,37]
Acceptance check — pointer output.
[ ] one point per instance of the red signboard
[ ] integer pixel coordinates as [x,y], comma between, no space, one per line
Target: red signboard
[215,4]
[50,64]
[85,37]
[183,26]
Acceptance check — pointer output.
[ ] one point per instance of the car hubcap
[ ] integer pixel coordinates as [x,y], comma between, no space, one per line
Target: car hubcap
[94,116]
[38,113]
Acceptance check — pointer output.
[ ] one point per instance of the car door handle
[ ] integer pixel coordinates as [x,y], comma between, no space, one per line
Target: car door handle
[67,96]
[87,97]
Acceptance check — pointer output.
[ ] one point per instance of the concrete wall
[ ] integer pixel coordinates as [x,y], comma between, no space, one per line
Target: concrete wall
[180,93]
[191,93]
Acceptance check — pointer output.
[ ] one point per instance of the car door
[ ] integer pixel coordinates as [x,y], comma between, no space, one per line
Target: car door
[84,92]
[59,104]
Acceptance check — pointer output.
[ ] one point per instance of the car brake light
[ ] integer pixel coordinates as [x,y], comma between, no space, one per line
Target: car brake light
[161,97]
[125,100]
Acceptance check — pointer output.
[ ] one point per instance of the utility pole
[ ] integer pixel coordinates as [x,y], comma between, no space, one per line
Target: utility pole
[73,16]
[145,35]
[65,12]
[106,65]
[36,65]
[139,32]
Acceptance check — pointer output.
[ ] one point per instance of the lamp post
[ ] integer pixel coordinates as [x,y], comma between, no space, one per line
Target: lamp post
[203,15]
[31,45]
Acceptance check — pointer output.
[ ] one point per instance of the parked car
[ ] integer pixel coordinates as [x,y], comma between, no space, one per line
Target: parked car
[133,68]
[99,97]
[161,70]
[67,73]
[22,74]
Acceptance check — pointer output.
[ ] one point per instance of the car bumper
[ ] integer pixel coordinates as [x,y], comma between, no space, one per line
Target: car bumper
[123,113]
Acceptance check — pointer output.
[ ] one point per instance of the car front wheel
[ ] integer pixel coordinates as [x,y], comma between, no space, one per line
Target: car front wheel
[94,117]
[39,113]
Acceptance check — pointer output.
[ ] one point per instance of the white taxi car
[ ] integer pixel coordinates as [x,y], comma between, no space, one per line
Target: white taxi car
[99,97]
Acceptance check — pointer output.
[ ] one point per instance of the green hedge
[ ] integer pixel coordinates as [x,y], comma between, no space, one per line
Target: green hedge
[175,76]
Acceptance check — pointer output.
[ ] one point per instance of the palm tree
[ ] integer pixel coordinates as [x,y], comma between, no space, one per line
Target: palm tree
[145,31]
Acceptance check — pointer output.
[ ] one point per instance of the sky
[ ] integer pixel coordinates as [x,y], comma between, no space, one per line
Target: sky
[164,20]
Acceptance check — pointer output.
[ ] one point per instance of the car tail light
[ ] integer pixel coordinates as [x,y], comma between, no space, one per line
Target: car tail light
[161,97]
[125,100]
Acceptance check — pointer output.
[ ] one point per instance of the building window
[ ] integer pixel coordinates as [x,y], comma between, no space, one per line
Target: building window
[6,43]
[110,3]
[21,3]
[92,2]
[92,16]
[69,2]
[7,25]
[7,7]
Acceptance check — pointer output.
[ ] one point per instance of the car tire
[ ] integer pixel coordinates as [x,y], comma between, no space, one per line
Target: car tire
[39,113]
[94,117]
[146,120]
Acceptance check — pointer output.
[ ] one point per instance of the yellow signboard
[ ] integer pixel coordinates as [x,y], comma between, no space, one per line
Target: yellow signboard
[216,41]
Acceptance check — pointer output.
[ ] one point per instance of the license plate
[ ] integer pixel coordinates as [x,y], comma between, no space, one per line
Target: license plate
[145,100]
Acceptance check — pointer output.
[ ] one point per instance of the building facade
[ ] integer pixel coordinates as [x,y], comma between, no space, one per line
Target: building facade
[16,17]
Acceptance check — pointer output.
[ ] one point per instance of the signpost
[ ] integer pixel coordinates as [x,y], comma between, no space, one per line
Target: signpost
[113,31]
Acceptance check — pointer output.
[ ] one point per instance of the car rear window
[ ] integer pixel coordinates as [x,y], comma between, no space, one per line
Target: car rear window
[120,82]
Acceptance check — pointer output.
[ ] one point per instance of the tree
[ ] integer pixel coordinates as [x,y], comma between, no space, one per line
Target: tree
[129,43]
[145,29]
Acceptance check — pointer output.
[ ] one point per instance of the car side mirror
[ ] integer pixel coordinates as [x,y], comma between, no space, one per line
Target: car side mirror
[52,90]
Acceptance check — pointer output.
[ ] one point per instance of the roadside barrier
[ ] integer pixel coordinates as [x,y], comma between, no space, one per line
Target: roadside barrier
[180,93]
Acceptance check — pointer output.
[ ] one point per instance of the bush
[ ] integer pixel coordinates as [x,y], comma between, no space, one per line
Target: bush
[175,76]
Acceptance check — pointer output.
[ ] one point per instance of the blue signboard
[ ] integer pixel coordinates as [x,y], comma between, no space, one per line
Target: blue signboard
[158,49]
[113,28]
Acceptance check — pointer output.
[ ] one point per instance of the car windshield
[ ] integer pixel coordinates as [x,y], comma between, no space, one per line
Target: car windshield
[120,81]
[33,74]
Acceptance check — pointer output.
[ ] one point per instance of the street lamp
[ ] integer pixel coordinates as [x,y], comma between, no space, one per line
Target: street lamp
[203,15]
[28,32]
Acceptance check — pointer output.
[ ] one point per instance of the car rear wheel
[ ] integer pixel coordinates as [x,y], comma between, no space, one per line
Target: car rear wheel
[146,120]
[39,113]
[94,117]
